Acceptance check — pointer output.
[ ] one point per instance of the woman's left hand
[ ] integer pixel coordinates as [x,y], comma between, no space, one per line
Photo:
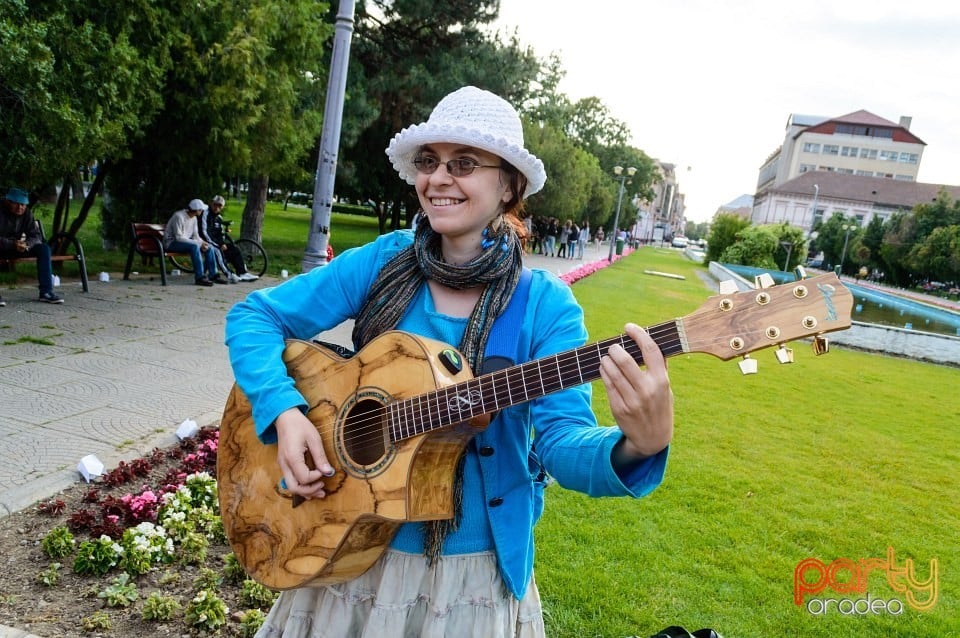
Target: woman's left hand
[640,397]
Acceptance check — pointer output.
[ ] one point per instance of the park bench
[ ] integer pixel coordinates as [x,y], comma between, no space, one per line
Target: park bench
[148,243]
[61,239]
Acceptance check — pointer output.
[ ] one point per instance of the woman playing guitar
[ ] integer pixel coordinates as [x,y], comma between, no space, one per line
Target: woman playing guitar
[449,281]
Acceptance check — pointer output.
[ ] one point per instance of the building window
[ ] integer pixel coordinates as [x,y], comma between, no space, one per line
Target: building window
[831,149]
[889,156]
[865,173]
[904,178]
[845,171]
[908,158]
[868,153]
[849,151]
[810,147]
[807,167]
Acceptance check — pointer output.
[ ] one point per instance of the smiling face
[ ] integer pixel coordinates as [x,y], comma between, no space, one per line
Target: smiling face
[460,207]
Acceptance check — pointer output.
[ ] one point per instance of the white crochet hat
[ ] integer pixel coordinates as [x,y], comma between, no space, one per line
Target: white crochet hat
[196,204]
[476,118]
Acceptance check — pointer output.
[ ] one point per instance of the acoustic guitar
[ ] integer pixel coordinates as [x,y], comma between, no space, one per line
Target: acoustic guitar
[396,417]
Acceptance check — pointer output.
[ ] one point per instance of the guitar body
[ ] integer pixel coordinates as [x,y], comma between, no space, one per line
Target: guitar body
[379,484]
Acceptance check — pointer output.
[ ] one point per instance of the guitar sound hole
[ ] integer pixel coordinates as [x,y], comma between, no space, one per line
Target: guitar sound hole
[364,434]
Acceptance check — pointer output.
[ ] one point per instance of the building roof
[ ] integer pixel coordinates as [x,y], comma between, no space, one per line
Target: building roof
[880,191]
[862,118]
[740,202]
[798,119]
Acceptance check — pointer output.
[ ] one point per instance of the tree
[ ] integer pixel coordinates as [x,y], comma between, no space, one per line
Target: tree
[240,99]
[897,240]
[938,256]
[405,57]
[793,236]
[723,233]
[77,82]
[755,246]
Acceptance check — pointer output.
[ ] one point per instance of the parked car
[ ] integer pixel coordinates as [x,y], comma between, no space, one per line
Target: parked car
[679,242]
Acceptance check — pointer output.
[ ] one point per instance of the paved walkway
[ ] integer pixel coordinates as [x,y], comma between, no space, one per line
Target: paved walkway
[114,371]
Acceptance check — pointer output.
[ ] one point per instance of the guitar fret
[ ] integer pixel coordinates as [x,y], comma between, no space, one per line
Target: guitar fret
[414,411]
[506,379]
[543,389]
[437,416]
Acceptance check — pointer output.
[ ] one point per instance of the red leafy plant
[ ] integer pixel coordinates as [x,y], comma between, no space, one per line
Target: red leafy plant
[52,508]
[113,514]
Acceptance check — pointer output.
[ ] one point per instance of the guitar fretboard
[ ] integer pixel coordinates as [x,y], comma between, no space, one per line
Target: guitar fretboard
[517,384]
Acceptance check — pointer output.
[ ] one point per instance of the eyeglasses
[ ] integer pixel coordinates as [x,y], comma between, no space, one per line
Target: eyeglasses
[460,167]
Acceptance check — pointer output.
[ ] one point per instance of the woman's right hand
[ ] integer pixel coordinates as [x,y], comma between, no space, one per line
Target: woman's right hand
[297,437]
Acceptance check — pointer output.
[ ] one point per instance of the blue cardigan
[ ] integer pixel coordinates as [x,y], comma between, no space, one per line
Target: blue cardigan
[503,487]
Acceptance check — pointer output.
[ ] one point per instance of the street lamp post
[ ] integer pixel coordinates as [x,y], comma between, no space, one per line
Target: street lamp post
[315,253]
[789,246]
[618,171]
[846,228]
[816,196]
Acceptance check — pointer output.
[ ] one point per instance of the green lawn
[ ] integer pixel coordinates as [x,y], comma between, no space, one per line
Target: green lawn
[833,457]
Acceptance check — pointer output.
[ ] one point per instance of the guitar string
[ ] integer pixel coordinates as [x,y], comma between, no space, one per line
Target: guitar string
[565,364]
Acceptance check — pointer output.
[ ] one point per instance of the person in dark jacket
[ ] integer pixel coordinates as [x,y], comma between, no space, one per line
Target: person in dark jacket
[20,238]
[212,229]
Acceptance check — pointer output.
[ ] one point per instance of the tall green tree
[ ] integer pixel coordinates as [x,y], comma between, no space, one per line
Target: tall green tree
[78,81]
[724,232]
[241,98]
[938,256]
[898,238]
[755,246]
[405,57]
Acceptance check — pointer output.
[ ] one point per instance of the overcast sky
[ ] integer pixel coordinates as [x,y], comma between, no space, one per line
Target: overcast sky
[709,84]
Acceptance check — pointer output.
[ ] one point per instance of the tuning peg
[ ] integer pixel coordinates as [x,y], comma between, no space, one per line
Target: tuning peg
[748,365]
[800,272]
[784,354]
[821,345]
[728,287]
[764,280]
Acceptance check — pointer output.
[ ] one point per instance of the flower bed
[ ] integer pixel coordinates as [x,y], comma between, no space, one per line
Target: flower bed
[129,562]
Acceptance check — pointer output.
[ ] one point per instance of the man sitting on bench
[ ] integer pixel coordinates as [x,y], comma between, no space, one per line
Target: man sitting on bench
[181,235]
[20,238]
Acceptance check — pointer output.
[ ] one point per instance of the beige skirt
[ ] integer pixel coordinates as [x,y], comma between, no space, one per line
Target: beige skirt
[401,597]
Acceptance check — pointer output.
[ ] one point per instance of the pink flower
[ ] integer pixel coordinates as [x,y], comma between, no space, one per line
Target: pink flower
[588,269]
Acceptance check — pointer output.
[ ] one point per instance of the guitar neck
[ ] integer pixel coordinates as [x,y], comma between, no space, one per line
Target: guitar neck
[518,384]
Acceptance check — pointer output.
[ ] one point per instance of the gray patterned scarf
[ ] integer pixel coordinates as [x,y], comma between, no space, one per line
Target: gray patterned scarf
[497,269]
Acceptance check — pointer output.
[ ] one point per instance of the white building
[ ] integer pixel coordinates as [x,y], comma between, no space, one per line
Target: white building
[858,143]
[819,195]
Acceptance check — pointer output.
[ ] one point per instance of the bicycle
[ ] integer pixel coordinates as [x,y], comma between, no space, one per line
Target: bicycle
[254,256]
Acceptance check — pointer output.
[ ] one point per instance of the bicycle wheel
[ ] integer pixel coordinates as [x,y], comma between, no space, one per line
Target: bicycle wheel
[253,256]
[183,262]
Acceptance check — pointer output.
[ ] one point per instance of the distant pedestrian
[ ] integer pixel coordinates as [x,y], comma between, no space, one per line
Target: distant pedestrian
[583,238]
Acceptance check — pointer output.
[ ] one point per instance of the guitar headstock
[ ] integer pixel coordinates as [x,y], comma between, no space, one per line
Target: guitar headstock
[733,325]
